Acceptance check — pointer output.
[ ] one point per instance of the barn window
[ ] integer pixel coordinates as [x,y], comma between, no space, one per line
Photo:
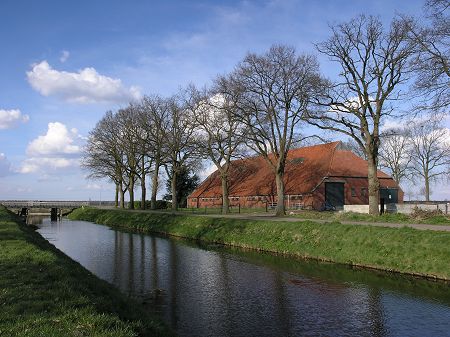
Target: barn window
[363,191]
[353,192]
[298,160]
[296,197]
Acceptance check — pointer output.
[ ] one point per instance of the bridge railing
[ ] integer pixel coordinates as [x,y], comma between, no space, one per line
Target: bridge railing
[43,204]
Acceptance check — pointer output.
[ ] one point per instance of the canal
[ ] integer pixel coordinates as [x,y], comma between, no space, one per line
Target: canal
[217,291]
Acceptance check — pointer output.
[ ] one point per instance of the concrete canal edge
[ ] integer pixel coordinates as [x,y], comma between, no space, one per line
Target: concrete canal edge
[47,293]
[408,251]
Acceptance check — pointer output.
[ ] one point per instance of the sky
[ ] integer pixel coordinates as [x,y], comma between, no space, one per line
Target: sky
[64,64]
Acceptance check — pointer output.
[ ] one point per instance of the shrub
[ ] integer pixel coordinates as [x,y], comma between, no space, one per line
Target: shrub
[160,204]
[419,213]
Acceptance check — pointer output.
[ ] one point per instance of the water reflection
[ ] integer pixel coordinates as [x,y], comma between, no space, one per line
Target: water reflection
[212,291]
[35,219]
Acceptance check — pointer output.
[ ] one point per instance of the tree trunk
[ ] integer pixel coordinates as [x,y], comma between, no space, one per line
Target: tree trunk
[116,197]
[374,185]
[143,192]
[122,196]
[154,186]
[143,188]
[281,210]
[131,192]
[427,188]
[225,201]
[174,191]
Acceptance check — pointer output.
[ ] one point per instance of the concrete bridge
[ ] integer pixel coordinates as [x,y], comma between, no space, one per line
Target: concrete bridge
[55,207]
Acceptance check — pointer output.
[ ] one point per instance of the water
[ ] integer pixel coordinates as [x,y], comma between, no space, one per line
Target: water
[216,291]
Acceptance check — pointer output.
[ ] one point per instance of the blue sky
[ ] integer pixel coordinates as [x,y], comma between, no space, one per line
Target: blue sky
[52,50]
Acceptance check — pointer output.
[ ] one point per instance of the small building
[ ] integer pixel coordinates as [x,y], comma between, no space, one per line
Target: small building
[314,175]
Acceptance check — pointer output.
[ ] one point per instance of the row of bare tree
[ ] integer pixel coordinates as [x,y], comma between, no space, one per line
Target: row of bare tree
[265,103]
[419,150]
[140,139]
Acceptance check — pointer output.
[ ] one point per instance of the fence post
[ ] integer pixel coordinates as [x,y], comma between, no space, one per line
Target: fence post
[239,210]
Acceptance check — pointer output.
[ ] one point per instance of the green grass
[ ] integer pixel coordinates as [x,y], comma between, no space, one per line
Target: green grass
[386,218]
[404,250]
[45,293]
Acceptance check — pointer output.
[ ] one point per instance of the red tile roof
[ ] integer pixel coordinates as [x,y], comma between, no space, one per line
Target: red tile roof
[306,167]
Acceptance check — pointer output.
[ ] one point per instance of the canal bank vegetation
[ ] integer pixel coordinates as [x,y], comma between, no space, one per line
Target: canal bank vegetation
[45,293]
[402,250]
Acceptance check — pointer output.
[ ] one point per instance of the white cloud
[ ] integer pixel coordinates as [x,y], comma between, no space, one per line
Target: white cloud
[57,140]
[84,86]
[393,124]
[210,168]
[93,187]
[11,118]
[58,149]
[5,165]
[49,177]
[44,164]
[64,56]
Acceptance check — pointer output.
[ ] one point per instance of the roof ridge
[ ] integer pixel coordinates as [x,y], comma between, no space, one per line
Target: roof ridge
[256,155]
[317,145]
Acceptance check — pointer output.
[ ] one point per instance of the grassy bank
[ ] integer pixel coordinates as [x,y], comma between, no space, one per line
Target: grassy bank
[45,293]
[404,250]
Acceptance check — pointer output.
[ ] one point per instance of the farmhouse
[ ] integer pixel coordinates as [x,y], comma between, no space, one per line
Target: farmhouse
[314,175]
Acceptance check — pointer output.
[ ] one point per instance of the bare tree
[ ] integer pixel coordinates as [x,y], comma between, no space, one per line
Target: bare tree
[395,153]
[133,146]
[179,138]
[143,134]
[221,135]
[275,88]
[430,152]
[373,63]
[353,146]
[103,155]
[155,112]
[432,59]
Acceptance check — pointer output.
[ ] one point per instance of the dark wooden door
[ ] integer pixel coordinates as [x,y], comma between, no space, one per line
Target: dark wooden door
[390,195]
[334,194]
